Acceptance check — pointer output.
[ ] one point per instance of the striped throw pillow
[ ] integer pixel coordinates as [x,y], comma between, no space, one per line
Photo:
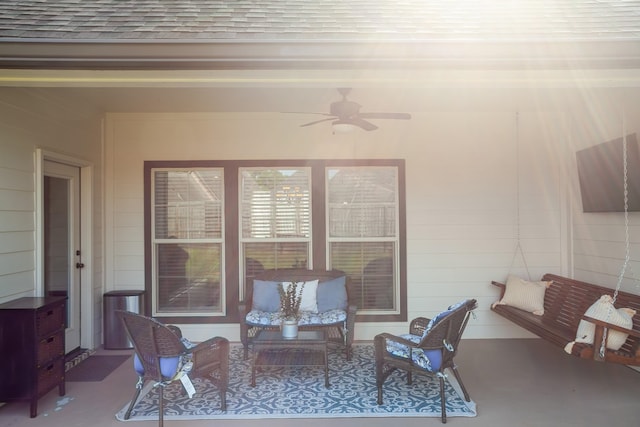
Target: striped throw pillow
[525,295]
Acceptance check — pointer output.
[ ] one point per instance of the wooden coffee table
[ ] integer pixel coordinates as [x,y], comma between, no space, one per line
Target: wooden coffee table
[309,348]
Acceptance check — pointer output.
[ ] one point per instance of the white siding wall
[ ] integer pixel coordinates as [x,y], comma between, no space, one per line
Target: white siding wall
[462,194]
[27,123]
[17,265]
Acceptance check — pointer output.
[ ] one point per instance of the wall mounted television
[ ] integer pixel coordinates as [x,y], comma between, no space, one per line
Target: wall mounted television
[600,172]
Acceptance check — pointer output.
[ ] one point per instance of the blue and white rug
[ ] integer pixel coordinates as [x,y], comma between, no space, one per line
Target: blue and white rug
[300,393]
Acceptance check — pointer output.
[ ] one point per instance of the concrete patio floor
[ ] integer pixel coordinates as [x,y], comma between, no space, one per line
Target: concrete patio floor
[521,382]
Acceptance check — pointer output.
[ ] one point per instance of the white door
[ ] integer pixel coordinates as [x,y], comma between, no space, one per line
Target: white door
[62,252]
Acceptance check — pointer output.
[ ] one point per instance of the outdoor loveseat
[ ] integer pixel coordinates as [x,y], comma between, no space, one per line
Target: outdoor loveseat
[335,313]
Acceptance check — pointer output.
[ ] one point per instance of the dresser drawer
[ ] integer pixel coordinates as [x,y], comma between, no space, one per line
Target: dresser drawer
[50,320]
[50,375]
[51,347]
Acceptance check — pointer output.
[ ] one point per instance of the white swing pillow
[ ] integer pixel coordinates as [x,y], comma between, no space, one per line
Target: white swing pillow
[604,310]
[525,295]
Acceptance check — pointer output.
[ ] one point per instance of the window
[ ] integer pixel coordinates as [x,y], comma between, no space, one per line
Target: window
[212,225]
[275,206]
[187,244]
[363,233]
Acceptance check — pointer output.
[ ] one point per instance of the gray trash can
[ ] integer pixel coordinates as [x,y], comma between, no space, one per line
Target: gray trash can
[115,336]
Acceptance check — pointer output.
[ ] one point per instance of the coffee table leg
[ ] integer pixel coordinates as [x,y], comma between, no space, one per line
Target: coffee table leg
[326,368]
[253,368]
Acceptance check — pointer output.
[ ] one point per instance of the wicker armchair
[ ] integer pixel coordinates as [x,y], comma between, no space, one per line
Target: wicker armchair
[428,349]
[162,356]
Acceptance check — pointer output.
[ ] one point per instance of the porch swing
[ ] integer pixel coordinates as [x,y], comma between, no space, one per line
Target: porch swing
[580,317]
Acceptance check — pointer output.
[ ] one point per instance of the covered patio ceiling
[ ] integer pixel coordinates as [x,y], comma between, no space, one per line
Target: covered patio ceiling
[276,91]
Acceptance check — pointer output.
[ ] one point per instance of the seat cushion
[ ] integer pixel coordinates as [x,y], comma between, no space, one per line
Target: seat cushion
[429,360]
[168,366]
[266,318]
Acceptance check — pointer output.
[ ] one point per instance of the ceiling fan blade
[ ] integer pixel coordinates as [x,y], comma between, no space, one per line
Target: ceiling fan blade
[397,116]
[363,124]
[318,121]
[306,112]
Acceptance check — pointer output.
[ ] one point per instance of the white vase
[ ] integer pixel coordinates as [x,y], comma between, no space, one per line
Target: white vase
[289,328]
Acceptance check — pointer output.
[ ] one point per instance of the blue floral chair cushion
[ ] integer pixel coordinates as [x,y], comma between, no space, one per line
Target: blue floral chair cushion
[428,360]
[169,366]
[438,317]
[268,318]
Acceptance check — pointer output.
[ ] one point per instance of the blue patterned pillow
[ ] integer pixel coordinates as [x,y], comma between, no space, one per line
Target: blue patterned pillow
[265,296]
[332,295]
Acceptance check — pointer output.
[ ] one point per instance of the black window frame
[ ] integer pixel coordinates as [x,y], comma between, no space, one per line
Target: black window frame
[231,228]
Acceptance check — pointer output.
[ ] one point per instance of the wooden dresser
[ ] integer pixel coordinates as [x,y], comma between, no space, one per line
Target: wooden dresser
[31,349]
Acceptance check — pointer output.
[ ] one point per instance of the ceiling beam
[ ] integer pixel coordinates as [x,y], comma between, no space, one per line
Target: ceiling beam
[263,55]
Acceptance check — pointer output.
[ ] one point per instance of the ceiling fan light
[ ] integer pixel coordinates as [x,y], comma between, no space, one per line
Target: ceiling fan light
[341,126]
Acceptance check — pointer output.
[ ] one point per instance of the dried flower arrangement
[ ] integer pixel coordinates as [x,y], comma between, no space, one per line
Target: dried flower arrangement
[290,299]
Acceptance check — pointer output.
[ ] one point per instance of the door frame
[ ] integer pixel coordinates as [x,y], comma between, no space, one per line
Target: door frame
[87,326]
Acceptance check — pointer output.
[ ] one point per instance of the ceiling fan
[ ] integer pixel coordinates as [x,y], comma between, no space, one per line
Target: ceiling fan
[345,114]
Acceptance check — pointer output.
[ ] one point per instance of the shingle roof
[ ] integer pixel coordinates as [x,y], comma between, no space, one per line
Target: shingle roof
[353,20]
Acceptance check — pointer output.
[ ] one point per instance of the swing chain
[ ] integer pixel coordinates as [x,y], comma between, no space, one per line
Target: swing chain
[518,248]
[626,230]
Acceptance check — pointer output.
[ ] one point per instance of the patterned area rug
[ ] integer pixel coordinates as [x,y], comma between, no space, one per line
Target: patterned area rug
[300,393]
